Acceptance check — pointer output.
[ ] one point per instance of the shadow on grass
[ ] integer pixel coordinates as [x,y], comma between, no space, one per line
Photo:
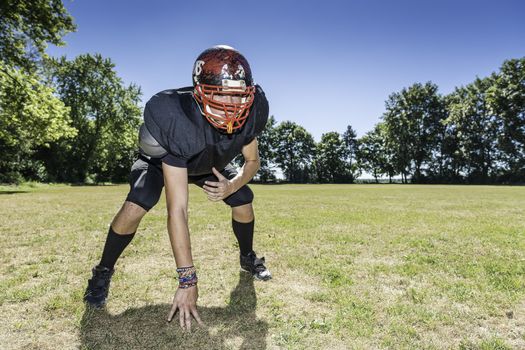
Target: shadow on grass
[12,191]
[98,184]
[233,326]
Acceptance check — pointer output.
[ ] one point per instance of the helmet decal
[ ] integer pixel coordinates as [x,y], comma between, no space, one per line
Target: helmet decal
[224,72]
[240,72]
[197,70]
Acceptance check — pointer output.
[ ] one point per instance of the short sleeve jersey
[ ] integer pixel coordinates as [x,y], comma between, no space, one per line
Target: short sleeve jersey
[174,119]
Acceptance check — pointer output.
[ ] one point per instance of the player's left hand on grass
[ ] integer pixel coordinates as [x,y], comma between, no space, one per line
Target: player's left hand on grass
[185,302]
[217,191]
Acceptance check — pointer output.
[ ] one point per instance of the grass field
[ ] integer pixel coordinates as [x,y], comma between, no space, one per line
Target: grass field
[354,266]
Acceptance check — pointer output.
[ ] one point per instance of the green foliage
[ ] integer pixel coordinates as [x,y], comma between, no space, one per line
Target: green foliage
[413,122]
[295,151]
[476,134]
[26,27]
[30,115]
[350,140]
[266,141]
[476,129]
[31,118]
[371,152]
[330,161]
[104,112]
[506,98]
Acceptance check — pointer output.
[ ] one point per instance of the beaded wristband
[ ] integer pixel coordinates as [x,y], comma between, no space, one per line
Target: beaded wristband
[187,277]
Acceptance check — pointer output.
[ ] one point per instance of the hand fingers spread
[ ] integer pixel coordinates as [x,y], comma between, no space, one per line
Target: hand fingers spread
[188,321]
[181,319]
[172,312]
[197,317]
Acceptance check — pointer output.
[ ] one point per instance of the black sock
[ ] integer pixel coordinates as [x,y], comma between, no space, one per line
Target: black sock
[115,245]
[244,234]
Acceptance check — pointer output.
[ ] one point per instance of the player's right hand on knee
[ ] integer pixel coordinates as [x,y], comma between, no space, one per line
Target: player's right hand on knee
[185,302]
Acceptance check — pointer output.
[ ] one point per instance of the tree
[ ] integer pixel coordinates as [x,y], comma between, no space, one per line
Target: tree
[350,140]
[372,156]
[331,159]
[26,27]
[388,166]
[266,141]
[295,150]
[413,121]
[476,129]
[506,99]
[31,117]
[105,113]
[452,162]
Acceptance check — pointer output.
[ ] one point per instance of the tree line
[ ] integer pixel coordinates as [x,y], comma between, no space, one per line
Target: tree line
[76,121]
[476,134]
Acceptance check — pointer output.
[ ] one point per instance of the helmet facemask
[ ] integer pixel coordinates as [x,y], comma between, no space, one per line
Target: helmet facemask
[233,114]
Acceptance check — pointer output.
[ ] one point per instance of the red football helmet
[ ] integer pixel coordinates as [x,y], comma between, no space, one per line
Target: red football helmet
[223,87]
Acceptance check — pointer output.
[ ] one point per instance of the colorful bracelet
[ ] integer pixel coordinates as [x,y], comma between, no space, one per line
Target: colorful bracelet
[187,277]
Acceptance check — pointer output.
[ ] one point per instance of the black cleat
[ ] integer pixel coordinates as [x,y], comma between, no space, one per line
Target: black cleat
[98,287]
[252,264]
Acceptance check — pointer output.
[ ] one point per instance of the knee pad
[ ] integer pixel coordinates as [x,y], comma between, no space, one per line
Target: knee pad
[146,184]
[243,196]
[145,201]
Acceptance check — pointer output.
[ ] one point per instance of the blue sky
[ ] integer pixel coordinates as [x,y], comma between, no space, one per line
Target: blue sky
[323,64]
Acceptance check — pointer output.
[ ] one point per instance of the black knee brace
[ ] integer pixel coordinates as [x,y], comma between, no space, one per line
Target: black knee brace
[146,182]
[243,196]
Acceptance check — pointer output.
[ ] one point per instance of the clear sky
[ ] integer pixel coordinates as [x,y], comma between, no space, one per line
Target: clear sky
[323,64]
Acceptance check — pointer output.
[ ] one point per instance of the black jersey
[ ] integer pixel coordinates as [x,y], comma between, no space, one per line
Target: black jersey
[174,119]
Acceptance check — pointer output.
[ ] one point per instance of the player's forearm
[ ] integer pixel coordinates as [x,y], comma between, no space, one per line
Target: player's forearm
[247,172]
[180,236]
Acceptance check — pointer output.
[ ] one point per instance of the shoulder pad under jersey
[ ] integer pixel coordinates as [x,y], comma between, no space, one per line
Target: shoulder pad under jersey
[148,145]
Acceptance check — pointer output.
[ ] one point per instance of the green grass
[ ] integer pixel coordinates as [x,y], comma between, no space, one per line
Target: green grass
[355,267]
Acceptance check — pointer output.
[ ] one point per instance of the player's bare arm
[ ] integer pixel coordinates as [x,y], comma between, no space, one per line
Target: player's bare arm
[217,191]
[185,300]
[176,187]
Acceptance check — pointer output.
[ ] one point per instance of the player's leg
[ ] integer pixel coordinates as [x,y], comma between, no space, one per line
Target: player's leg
[121,232]
[243,224]
[146,184]
[244,212]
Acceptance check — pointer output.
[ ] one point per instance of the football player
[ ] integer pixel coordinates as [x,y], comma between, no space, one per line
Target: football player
[190,135]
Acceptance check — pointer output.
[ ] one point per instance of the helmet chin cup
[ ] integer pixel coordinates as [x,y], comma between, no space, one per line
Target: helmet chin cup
[232,115]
